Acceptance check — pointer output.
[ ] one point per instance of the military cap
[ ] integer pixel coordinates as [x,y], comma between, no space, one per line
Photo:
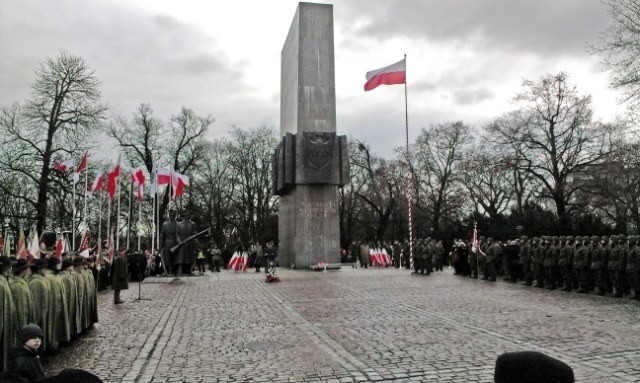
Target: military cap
[482,238]
[621,237]
[490,239]
[39,264]
[535,239]
[604,238]
[5,261]
[563,239]
[524,238]
[595,238]
[66,263]
[52,262]
[20,265]
[79,261]
[570,238]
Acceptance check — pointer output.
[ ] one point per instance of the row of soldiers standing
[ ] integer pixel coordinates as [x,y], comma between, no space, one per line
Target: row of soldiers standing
[60,296]
[583,263]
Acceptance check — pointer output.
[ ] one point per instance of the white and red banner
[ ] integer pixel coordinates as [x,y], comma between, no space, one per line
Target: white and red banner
[22,252]
[239,261]
[64,165]
[84,245]
[390,75]
[137,180]
[96,185]
[178,182]
[34,245]
[112,179]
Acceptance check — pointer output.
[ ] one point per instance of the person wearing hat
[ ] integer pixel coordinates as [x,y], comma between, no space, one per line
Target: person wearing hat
[598,260]
[78,278]
[8,312]
[581,264]
[633,268]
[525,260]
[22,297]
[270,254]
[120,277]
[494,253]
[531,367]
[59,312]
[564,262]
[41,293]
[616,264]
[23,356]
[71,291]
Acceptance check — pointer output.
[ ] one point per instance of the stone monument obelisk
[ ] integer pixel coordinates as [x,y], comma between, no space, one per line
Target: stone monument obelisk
[311,161]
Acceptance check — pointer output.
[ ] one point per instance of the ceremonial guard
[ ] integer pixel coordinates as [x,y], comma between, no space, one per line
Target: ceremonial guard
[187,252]
[76,274]
[494,252]
[71,290]
[8,318]
[168,239]
[598,262]
[537,258]
[42,301]
[550,263]
[565,256]
[22,297]
[525,260]
[581,264]
[59,313]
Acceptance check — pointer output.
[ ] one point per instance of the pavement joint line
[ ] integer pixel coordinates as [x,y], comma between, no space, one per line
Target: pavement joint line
[150,348]
[334,349]
[477,329]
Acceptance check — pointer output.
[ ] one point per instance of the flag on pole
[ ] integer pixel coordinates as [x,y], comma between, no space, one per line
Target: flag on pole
[80,168]
[6,251]
[138,179]
[164,176]
[474,242]
[22,252]
[84,244]
[34,244]
[178,183]
[390,75]
[64,165]
[112,178]
[96,185]
[60,247]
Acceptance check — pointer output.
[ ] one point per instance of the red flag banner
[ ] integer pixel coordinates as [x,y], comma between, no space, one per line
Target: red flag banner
[390,75]
[64,165]
[83,164]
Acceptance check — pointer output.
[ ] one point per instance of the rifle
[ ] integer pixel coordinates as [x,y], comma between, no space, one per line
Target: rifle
[174,248]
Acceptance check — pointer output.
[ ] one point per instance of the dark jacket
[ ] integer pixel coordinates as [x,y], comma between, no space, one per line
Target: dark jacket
[120,274]
[25,362]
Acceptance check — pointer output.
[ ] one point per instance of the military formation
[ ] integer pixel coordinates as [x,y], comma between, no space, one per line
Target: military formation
[58,295]
[602,265]
[428,254]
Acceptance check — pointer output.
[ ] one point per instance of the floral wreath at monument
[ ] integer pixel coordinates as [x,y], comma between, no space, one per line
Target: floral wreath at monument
[272,275]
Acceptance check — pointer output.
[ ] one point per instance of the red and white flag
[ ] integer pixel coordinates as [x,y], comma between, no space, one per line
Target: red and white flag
[112,179]
[96,185]
[137,180]
[178,182]
[163,176]
[22,252]
[84,245]
[64,165]
[390,75]
[80,168]
[34,245]
[61,247]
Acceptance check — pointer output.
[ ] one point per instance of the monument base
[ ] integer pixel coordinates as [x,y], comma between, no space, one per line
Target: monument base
[308,226]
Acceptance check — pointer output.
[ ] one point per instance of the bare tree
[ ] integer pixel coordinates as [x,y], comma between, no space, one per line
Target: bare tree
[379,181]
[250,154]
[553,137]
[439,152]
[489,183]
[620,48]
[55,123]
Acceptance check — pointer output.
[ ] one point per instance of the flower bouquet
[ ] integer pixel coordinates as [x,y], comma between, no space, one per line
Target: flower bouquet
[272,275]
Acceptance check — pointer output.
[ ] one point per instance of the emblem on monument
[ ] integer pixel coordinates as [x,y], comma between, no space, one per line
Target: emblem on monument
[319,148]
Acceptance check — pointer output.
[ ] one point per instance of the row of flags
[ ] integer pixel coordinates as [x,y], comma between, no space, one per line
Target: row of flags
[160,176]
[31,249]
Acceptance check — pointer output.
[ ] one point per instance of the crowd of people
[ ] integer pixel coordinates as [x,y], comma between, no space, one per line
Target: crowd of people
[58,295]
[428,254]
[587,264]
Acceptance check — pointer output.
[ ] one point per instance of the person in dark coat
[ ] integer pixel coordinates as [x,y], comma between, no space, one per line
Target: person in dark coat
[120,277]
[8,318]
[531,367]
[24,360]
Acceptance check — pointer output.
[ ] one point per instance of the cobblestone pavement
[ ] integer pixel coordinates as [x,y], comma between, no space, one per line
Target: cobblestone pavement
[350,325]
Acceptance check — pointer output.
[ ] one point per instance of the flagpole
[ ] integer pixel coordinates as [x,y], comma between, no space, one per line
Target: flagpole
[100,230]
[129,215]
[138,224]
[109,224]
[86,184]
[118,192]
[406,118]
[73,218]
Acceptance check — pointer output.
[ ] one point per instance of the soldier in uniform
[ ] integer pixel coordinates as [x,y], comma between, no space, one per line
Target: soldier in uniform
[41,292]
[564,263]
[512,261]
[494,253]
[483,256]
[597,264]
[550,263]
[59,313]
[633,268]
[537,261]
[168,239]
[22,297]
[8,318]
[615,265]
[120,277]
[581,264]
[525,260]
[364,254]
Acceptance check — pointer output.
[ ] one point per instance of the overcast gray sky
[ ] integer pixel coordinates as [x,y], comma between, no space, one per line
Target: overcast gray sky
[466,59]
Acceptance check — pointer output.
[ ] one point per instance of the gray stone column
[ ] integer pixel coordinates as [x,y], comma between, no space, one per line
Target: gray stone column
[309,164]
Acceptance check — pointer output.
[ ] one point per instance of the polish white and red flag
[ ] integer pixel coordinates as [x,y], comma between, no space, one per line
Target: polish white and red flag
[34,245]
[475,245]
[22,252]
[235,259]
[137,180]
[112,179]
[84,245]
[80,168]
[179,182]
[390,75]
[61,247]
[96,185]
[386,257]
[163,176]
[64,165]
